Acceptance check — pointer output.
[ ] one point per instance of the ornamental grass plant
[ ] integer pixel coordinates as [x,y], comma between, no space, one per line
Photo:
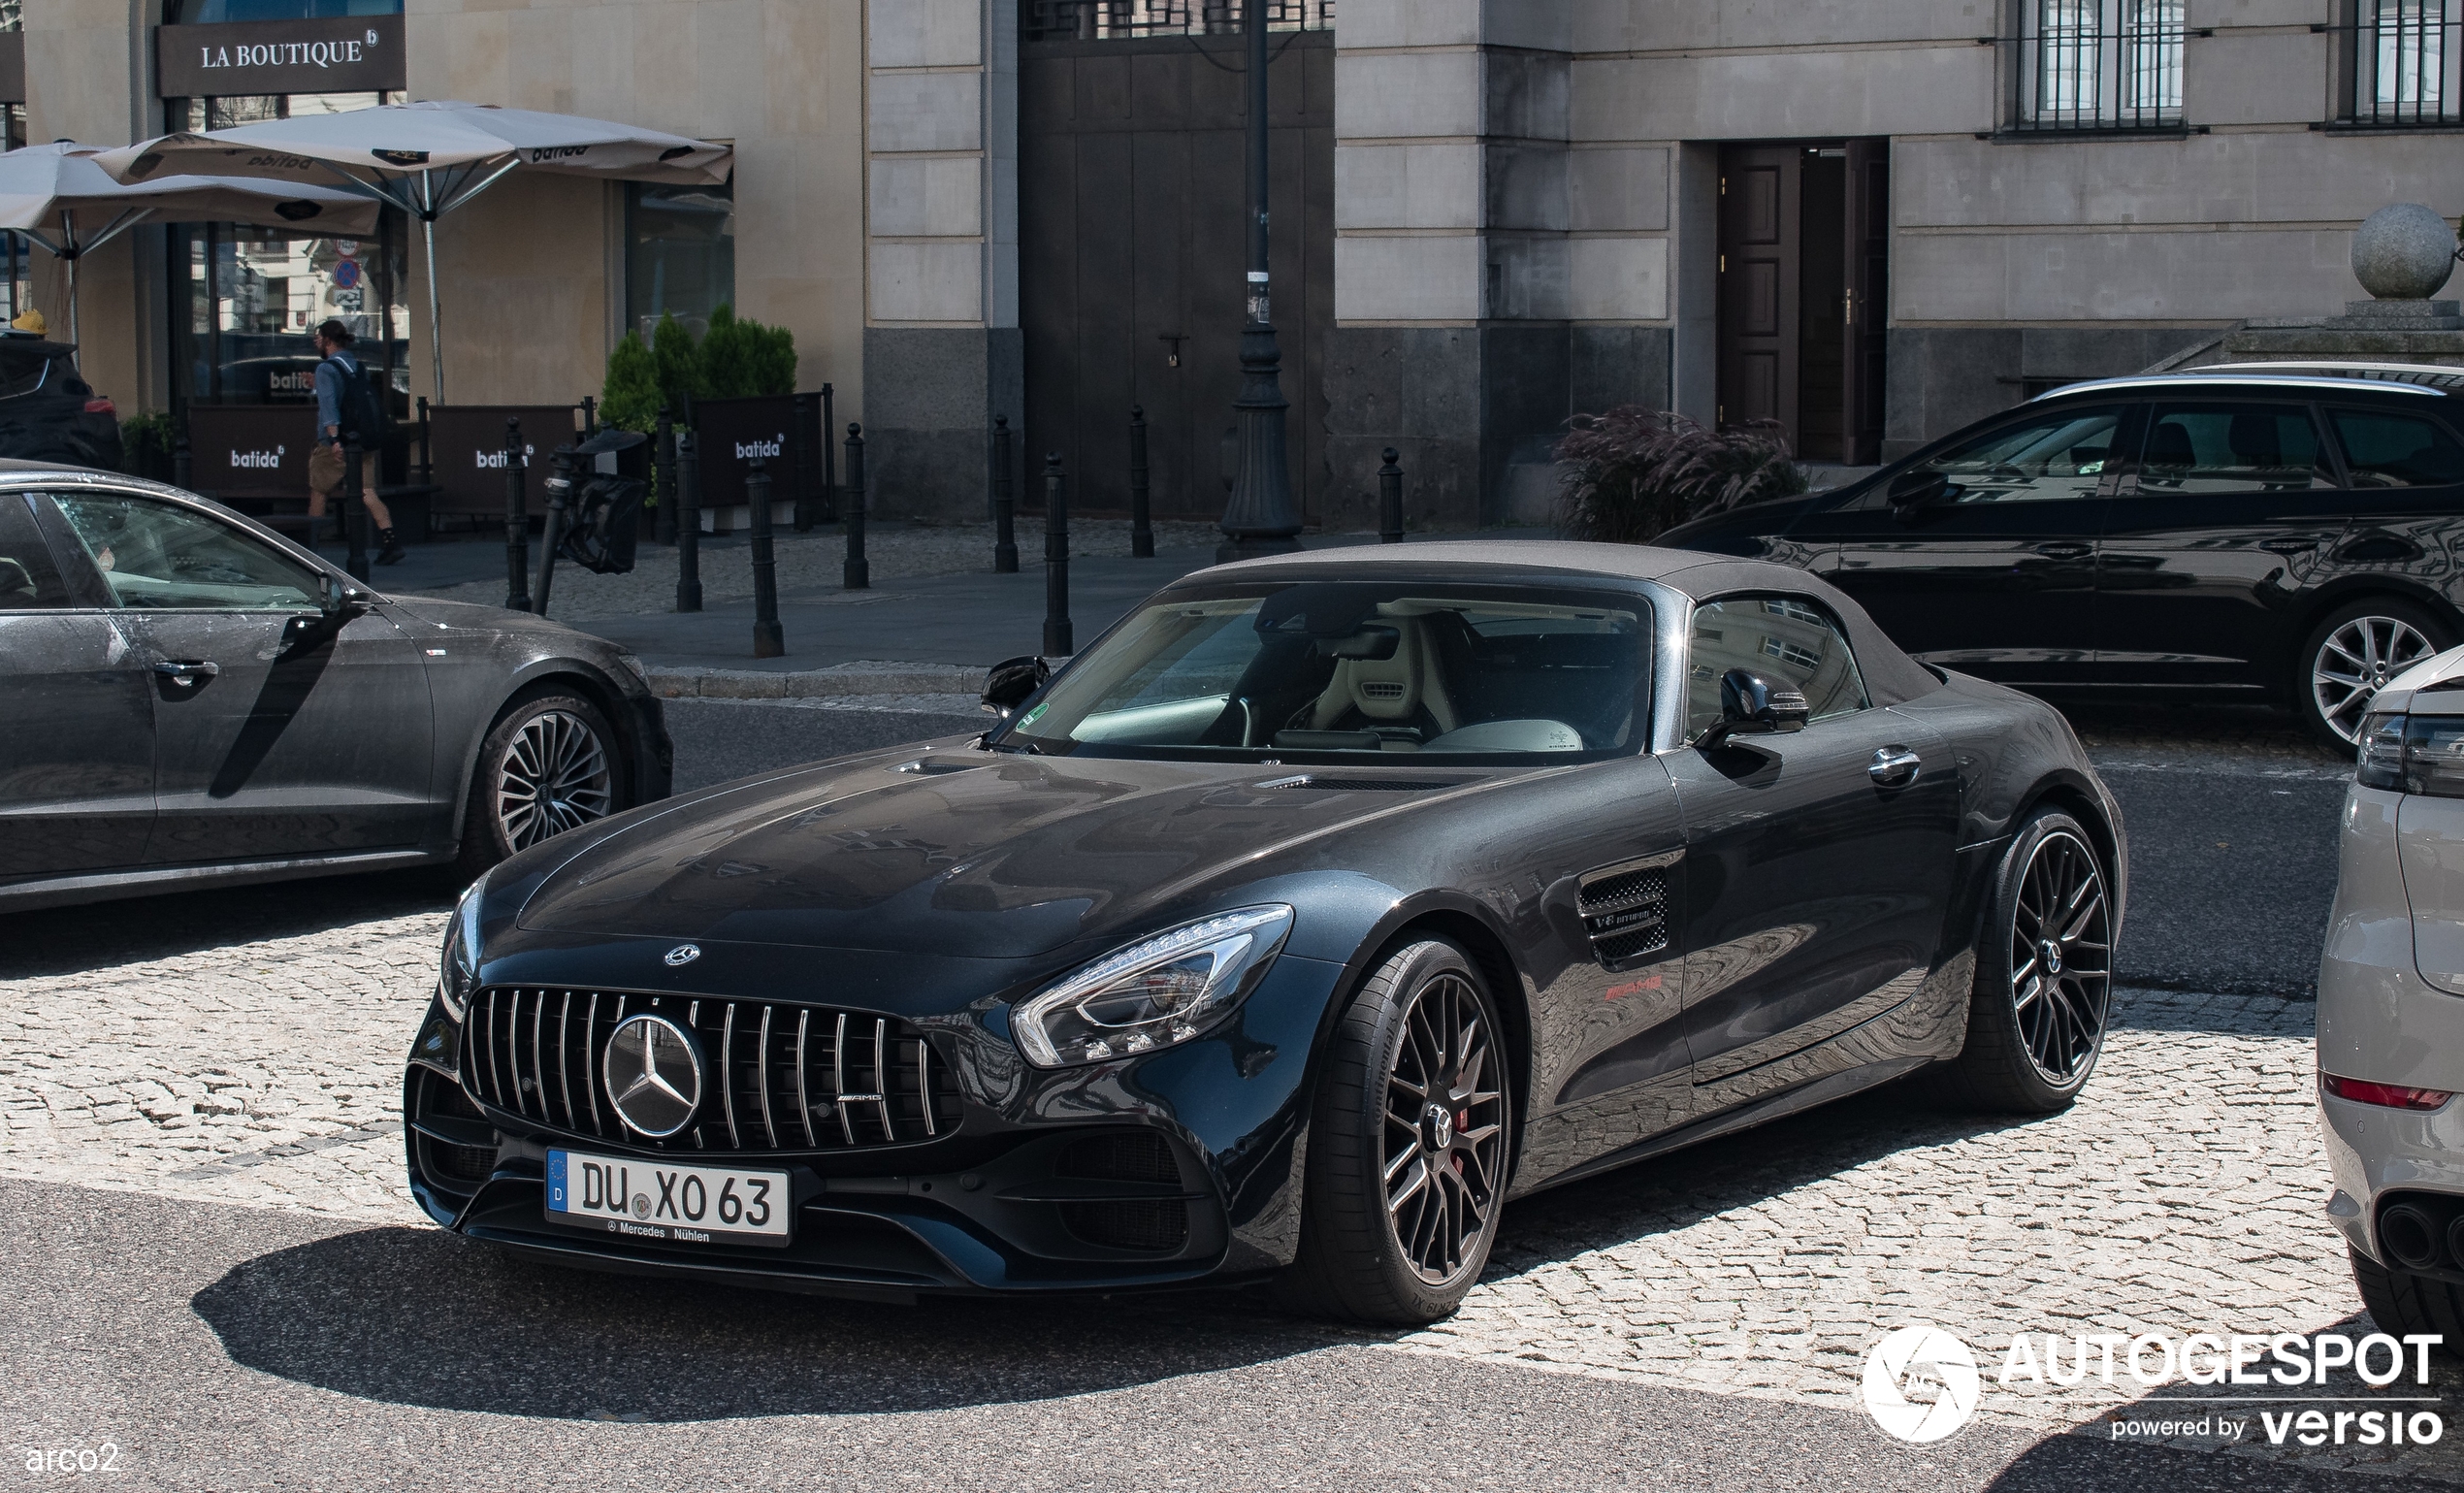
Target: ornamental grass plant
[1639,471]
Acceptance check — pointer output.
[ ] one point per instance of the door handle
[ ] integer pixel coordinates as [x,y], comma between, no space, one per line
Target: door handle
[186,672]
[2065,549]
[1895,767]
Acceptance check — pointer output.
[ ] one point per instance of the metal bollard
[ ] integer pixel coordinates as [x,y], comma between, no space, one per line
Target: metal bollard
[663,455]
[182,461]
[859,574]
[354,515]
[1390,500]
[427,468]
[1056,630]
[768,642]
[805,441]
[590,415]
[830,458]
[559,487]
[1005,537]
[688,523]
[517,523]
[1141,534]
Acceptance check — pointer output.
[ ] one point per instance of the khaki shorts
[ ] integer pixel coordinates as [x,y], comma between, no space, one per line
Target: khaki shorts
[325,470]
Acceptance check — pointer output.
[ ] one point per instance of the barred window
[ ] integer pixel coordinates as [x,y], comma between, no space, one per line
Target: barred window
[2405,64]
[2099,64]
[1109,20]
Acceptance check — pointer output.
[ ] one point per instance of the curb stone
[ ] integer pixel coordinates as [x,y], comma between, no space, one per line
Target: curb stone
[842,679]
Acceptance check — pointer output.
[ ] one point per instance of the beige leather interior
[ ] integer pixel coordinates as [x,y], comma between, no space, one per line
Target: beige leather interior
[1389,689]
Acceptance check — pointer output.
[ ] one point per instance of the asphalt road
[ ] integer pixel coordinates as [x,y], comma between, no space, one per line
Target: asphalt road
[2232,837]
[231,1347]
[221,1347]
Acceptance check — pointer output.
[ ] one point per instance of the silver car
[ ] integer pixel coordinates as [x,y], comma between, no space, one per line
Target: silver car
[2391,1006]
[185,696]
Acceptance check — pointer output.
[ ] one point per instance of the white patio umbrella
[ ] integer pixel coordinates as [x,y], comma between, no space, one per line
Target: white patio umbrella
[58,197]
[427,159]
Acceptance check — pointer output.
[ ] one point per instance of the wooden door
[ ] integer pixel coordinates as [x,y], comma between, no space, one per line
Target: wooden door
[1759,268]
[1868,310]
[1131,259]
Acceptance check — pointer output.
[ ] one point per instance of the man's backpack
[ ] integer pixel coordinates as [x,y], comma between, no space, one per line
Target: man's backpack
[364,412]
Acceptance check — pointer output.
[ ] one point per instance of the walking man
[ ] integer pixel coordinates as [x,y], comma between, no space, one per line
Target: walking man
[345,404]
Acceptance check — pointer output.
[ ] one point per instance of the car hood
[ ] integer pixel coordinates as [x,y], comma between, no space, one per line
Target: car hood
[957,853]
[473,616]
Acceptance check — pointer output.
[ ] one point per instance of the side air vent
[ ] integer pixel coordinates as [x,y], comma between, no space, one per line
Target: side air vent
[1625,909]
[1362,785]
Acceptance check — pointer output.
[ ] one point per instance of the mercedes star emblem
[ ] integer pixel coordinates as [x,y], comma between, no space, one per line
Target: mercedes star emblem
[683,953]
[653,1070]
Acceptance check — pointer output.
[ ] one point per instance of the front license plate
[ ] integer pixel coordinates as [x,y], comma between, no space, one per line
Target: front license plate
[659,1203]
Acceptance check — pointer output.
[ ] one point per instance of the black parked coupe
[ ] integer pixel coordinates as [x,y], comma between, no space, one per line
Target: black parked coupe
[1320,907]
[2278,532]
[187,697]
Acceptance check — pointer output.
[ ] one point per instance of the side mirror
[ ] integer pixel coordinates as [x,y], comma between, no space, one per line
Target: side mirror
[1913,490]
[1751,705]
[1012,682]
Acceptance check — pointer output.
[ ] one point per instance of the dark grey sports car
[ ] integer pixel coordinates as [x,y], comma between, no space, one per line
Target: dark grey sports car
[185,696]
[1320,907]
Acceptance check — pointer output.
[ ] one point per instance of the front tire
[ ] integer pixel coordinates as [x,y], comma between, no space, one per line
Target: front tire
[2044,977]
[549,764]
[2349,657]
[1408,1146]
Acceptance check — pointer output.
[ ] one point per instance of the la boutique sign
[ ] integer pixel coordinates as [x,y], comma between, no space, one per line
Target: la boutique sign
[339,54]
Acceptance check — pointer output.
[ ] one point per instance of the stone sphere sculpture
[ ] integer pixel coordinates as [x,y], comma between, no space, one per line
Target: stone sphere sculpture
[2402,252]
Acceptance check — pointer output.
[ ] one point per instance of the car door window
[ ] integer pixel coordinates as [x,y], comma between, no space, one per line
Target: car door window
[2200,451]
[1786,639]
[2059,455]
[162,557]
[29,581]
[2393,450]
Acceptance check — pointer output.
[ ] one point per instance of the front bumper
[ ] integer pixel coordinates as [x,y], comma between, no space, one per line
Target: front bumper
[1175,1168]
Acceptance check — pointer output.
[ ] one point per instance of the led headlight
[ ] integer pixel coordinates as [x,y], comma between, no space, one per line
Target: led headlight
[459,968]
[1157,992]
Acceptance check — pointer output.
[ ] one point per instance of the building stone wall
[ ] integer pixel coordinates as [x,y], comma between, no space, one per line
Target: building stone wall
[942,348]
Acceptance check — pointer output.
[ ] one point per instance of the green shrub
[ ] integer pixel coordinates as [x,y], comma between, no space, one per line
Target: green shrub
[146,441]
[1639,473]
[679,365]
[741,358]
[629,399]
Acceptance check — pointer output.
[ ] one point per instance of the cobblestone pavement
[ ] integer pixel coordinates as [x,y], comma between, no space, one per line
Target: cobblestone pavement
[809,560]
[2183,1194]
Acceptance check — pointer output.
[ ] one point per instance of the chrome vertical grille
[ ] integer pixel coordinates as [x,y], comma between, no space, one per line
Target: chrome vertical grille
[786,1078]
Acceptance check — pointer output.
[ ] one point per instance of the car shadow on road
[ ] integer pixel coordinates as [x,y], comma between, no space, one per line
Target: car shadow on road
[71,940]
[423,1318]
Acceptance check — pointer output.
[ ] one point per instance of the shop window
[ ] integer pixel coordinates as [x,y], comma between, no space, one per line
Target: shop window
[679,254]
[209,12]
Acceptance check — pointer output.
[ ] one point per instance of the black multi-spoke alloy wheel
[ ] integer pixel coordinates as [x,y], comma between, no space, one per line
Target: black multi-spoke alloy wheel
[2044,975]
[2350,656]
[1409,1145]
[549,764]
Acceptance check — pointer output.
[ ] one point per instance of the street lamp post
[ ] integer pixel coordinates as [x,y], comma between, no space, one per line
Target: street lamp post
[1261,517]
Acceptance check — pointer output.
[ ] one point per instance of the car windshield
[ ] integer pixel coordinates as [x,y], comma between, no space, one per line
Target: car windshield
[1320,670]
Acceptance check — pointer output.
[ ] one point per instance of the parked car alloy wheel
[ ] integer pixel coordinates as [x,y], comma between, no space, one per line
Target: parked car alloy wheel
[1407,1154]
[549,766]
[2044,987]
[2352,656]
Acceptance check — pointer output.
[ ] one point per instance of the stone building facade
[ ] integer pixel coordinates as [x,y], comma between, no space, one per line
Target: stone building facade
[1873,221]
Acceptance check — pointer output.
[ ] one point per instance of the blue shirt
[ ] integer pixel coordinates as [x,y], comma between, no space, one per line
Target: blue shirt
[329,392]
